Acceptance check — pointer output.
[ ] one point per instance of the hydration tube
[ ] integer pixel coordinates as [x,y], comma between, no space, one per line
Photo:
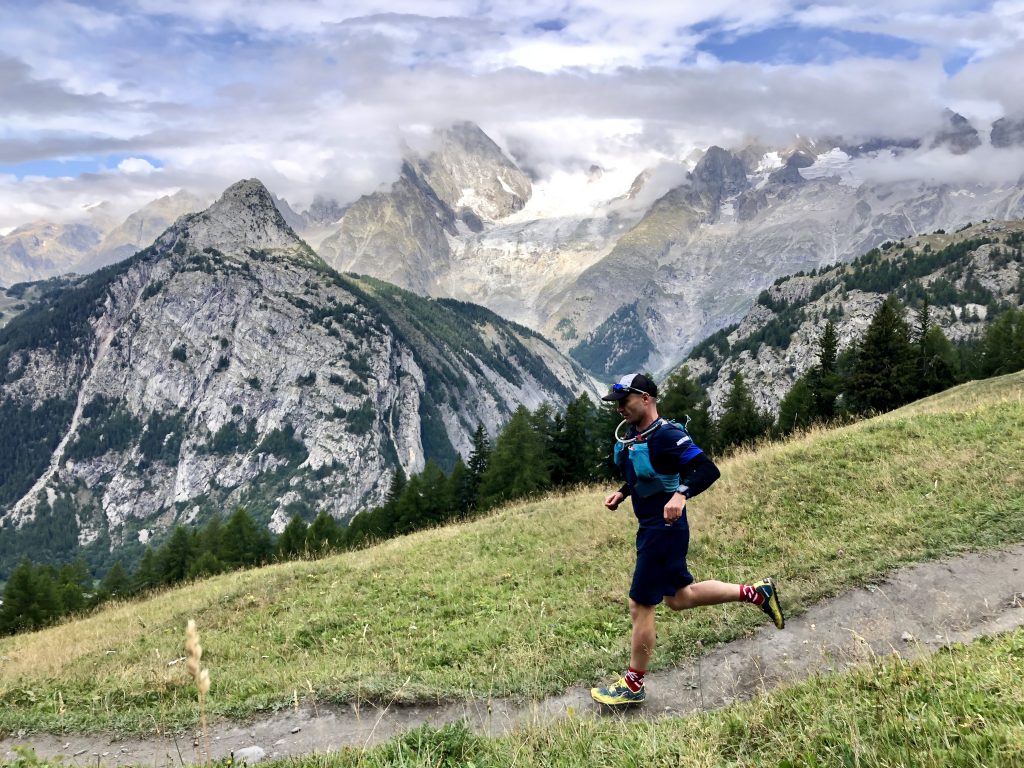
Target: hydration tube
[640,436]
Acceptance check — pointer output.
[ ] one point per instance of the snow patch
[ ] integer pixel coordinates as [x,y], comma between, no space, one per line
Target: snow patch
[769,162]
[835,162]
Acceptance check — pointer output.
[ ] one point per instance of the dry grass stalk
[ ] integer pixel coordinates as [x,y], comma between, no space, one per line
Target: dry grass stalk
[194,657]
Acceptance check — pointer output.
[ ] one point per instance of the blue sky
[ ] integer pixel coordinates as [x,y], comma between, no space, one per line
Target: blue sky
[127,100]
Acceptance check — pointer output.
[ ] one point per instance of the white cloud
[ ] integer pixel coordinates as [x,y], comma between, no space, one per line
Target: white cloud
[136,165]
[313,96]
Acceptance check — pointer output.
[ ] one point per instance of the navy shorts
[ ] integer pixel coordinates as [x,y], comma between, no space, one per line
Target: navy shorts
[660,563]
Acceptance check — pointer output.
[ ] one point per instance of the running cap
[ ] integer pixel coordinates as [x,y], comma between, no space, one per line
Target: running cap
[631,382]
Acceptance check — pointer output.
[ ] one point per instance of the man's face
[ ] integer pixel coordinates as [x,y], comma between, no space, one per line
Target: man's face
[633,407]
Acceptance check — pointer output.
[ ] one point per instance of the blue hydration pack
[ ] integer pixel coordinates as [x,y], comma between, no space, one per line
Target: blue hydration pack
[648,481]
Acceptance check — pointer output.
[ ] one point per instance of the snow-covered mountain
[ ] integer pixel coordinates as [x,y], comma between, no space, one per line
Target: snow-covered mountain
[629,268]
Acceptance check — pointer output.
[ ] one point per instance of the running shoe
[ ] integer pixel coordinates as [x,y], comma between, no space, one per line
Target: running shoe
[771,605]
[619,694]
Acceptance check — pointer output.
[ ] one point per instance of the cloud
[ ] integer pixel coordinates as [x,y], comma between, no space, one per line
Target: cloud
[136,165]
[984,165]
[316,97]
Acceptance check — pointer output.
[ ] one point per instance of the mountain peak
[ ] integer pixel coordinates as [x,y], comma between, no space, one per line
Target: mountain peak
[720,172]
[244,217]
[468,171]
[957,133]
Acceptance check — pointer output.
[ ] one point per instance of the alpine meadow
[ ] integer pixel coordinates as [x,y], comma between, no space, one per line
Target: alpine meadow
[526,601]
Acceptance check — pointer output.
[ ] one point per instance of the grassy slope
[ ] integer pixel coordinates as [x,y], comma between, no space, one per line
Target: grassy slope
[531,599]
[960,707]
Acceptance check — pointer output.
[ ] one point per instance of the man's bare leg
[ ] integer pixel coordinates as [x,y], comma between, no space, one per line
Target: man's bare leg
[708,592]
[644,636]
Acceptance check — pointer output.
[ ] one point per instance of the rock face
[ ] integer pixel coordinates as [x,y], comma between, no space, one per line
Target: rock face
[1007,132]
[403,235]
[958,134]
[472,176]
[399,236]
[695,261]
[796,309]
[42,249]
[637,278]
[139,230]
[228,365]
[631,287]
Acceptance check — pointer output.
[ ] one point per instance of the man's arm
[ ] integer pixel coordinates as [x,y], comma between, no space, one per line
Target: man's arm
[695,476]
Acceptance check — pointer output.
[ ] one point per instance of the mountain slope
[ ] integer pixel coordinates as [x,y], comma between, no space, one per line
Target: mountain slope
[516,603]
[227,364]
[698,258]
[964,276]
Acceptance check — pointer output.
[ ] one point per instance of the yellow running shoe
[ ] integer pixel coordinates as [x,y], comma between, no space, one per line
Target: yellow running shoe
[619,694]
[771,604]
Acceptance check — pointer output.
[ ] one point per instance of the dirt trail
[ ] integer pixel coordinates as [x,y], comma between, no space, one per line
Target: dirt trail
[913,611]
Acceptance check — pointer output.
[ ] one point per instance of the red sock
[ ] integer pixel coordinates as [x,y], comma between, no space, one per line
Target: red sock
[751,595]
[634,679]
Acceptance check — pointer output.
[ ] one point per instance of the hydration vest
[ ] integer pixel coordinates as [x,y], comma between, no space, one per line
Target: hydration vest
[648,481]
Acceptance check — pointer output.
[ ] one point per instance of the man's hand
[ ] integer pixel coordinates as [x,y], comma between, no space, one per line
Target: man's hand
[674,508]
[613,500]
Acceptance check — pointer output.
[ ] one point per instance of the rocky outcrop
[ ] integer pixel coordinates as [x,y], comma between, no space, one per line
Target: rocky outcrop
[41,249]
[471,175]
[44,249]
[958,135]
[1007,132]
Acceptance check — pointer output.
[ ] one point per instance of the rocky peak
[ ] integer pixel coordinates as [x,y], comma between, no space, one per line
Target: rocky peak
[877,145]
[957,133]
[323,210]
[1007,132]
[720,173]
[790,172]
[245,217]
[467,170]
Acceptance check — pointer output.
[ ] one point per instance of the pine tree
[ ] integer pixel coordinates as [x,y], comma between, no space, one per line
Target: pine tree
[204,564]
[74,582]
[582,445]
[518,465]
[549,426]
[740,421]
[292,541]
[682,399]
[940,366]
[398,481]
[797,409]
[323,534]
[823,380]
[115,584]
[1002,347]
[20,610]
[479,458]
[883,374]
[426,500]
[147,573]
[245,543]
[211,538]
[680,396]
[460,489]
[175,556]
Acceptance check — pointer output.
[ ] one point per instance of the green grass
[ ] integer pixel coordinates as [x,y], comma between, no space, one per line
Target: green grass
[532,599]
[959,707]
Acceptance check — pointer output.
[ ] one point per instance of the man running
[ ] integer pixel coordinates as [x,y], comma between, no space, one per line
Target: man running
[662,468]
